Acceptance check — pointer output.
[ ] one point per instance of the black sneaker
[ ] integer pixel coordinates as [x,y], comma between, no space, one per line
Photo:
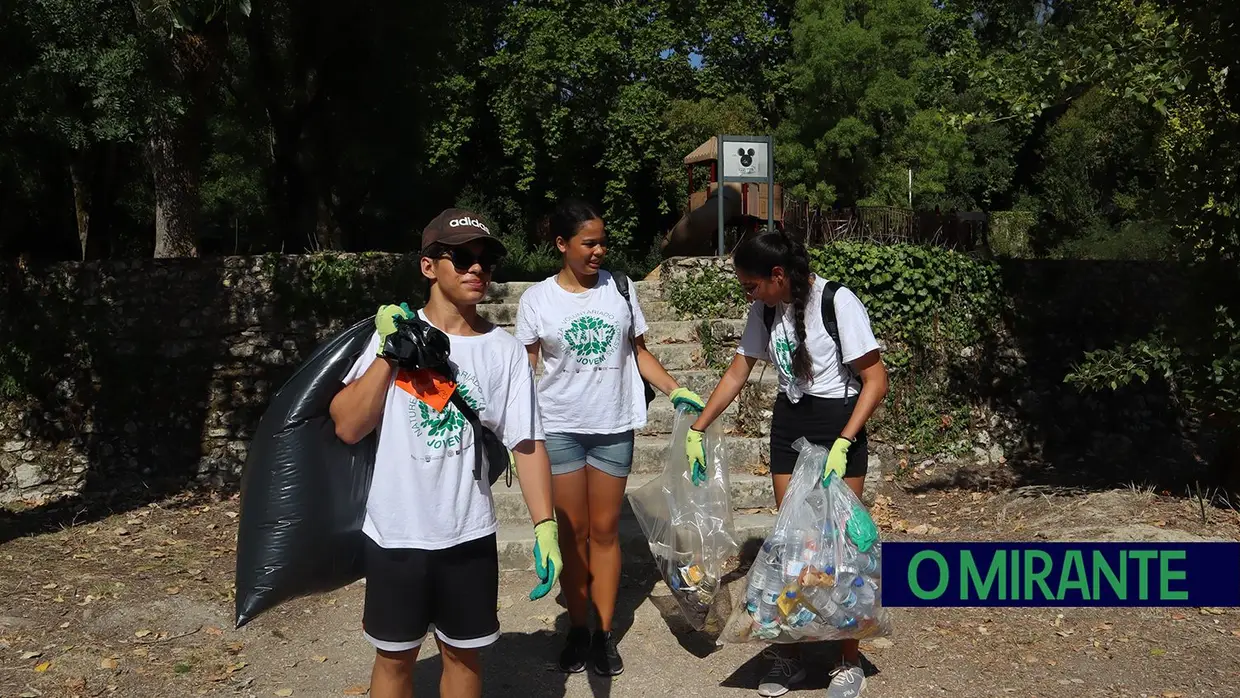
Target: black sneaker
[576,650]
[604,656]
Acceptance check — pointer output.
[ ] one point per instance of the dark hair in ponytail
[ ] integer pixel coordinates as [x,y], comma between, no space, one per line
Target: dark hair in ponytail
[568,216]
[758,256]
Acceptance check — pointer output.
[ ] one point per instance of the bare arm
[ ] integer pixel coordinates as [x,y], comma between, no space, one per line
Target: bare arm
[533,350]
[358,407]
[534,472]
[873,390]
[729,387]
[649,367]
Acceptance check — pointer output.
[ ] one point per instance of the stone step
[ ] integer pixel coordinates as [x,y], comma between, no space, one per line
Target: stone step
[509,292]
[516,541]
[744,453]
[748,492]
[660,417]
[505,314]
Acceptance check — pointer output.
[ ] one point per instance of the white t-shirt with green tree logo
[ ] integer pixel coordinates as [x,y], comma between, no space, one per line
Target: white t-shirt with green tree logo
[590,383]
[423,494]
[828,378]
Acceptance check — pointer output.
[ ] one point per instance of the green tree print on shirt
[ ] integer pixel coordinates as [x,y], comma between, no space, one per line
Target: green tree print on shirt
[591,339]
[444,429]
[784,346]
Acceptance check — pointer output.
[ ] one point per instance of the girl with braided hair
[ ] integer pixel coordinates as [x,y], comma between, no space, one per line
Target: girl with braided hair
[827,392]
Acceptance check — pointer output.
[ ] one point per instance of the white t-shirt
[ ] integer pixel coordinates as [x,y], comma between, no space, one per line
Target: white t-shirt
[424,494]
[590,382]
[829,381]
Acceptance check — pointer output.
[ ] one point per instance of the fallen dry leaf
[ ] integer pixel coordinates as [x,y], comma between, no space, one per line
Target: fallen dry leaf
[320,659]
[881,643]
[284,692]
[31,655]
[1172,694]
[43,667]
[357,690]
[212,630]
[108,663]
[141,633]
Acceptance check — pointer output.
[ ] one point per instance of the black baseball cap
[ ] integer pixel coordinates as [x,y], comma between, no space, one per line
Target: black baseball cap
[456,226]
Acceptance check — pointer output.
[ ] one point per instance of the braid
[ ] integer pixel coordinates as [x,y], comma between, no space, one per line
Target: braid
[797,271]
[759,255]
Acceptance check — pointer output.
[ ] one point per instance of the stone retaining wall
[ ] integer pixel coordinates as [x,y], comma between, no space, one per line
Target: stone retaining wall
[161,368]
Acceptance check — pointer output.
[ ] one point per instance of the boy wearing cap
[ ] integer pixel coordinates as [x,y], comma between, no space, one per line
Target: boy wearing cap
[432,560]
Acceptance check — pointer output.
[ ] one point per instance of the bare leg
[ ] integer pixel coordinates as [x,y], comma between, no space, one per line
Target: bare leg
[462,672]
[392,675]
[572,511]
[606,493]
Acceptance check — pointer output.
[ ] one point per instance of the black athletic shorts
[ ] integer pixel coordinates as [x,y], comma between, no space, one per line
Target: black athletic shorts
[410,591]
[820,421]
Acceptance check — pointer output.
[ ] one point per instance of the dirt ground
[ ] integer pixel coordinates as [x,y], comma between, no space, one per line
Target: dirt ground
[139,603]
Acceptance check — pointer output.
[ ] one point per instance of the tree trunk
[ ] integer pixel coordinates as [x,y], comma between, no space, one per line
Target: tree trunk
[80,178]
[92,172]
[174,173]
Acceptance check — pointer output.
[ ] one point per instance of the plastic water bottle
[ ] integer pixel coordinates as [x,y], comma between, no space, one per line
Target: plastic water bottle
[794,611]
[850,592]
[820,599]
[768,599]
[864,564]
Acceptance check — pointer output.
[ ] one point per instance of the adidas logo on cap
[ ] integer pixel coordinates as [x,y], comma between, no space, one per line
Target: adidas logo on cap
[474,222]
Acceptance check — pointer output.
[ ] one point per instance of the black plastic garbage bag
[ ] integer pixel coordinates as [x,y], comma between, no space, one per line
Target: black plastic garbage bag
[303,491]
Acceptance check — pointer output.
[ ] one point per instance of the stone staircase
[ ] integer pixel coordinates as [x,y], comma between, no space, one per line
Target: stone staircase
[675,341]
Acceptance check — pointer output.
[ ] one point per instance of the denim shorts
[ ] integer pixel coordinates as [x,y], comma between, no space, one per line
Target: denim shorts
[610,453]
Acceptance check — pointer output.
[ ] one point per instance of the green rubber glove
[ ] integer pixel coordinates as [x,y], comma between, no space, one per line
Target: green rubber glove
[861,529]
[385,321]
[688,398]
[547,561]
[696,453]
[837,460]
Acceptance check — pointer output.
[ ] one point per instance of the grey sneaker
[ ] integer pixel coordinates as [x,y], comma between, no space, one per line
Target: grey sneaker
[847,681]
[784,672]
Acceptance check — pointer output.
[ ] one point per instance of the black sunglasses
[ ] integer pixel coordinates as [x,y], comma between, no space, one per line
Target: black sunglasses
[463,259]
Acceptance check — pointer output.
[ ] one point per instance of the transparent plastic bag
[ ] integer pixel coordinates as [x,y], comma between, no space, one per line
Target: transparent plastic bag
[689,528]
[818,575]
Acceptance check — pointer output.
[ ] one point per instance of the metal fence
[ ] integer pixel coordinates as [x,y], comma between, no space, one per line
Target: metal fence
[884,225]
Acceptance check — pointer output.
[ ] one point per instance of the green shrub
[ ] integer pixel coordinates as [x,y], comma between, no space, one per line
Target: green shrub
[1008,233]
[917,295]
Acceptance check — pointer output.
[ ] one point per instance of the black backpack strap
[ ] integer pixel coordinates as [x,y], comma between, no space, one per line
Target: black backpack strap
[621,280]
[832,324]
[486,441]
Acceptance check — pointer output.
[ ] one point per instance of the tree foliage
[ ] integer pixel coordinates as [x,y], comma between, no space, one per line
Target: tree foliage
[172,127]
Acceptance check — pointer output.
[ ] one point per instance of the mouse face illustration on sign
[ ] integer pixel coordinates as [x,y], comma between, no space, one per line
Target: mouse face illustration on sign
[746,159]
[747,165]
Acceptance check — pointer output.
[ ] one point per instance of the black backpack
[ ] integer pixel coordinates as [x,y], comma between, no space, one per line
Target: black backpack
[828,320]
[622,285]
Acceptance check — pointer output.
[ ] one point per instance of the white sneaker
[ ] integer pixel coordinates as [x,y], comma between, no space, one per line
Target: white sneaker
[784,672]
[847,681]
